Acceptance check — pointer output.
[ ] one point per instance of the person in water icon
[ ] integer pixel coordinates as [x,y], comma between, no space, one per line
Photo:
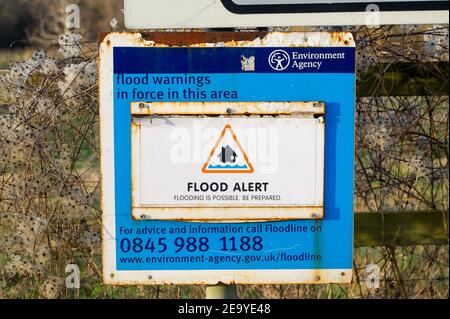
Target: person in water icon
[227,155]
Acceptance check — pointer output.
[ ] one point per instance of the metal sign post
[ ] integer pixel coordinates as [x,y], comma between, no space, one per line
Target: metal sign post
[227,158]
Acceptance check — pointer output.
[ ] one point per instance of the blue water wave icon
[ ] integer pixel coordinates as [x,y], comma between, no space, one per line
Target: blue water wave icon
[227,166]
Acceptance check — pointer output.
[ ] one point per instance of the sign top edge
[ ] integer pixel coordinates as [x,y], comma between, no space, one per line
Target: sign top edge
[227,39]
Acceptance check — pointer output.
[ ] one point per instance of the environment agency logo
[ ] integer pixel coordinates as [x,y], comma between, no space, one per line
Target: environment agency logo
[279,60]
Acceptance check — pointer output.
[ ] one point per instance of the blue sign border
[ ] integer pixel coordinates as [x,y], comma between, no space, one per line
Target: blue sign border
[336,88]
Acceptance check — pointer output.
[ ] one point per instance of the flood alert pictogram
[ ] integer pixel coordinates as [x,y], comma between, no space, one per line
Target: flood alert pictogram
[227,155]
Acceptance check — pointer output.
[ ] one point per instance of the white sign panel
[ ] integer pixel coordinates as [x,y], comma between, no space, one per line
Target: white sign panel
[145,14]
[231,165]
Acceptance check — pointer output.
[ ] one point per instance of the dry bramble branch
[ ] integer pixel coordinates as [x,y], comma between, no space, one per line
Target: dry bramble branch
[48,141]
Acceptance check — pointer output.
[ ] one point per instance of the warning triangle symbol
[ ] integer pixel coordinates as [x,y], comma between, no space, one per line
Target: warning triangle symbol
[227,156]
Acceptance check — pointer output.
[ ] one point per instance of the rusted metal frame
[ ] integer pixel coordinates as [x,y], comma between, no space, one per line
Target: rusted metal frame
[184,212]
[189,38]
[203,39]
[227,108]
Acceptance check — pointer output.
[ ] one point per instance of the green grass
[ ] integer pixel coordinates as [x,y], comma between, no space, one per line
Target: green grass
[3,260]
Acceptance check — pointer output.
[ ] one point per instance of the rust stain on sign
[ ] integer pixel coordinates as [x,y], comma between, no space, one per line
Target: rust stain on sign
[226,108]
[232,39]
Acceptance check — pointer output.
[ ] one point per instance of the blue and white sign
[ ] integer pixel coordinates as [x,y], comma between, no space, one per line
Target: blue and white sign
[276,78]
[154,14]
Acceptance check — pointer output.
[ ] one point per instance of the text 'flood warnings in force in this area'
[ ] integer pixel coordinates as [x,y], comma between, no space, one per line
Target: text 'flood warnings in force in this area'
[227,161]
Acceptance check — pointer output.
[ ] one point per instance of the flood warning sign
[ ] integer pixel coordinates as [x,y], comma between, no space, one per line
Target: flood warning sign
[293,123]
[228,156]
[212,164]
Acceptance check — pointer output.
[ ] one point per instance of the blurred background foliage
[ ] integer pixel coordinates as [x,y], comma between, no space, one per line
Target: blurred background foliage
[20,19]
[25,24]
